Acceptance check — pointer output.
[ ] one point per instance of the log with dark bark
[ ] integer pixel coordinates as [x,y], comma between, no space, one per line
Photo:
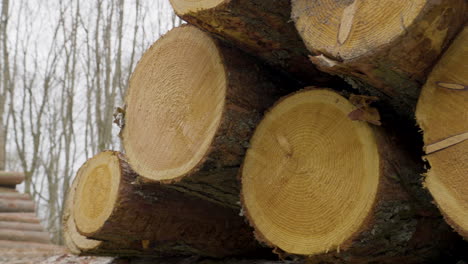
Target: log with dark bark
[261,28]
[11,205]
[110,205]
[19,235]
[11,178]
[319,180]
[442,114]
[81,245]
[383,47]
[191,107]
[21,226]
[19,217]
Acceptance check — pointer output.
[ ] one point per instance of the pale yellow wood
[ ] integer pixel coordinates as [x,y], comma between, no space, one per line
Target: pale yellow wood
[350,29]
[73,240]
[442,113]
[311,175]
[174,103]
[96,192]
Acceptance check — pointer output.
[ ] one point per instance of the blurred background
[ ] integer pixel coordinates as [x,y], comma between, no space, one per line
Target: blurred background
[64,68]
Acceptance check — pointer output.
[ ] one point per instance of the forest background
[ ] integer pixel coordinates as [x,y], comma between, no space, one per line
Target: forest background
[64,68]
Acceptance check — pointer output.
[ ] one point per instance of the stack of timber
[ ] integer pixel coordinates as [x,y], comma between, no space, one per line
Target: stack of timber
[322,176]
[22,237]
[109,212]
[386,47]
[260,28]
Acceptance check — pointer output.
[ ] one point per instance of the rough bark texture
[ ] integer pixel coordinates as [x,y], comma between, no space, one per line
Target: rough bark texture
[30,236]
[9,205]
[395,72]
[19,217]
[173,222]
[20,226]
[81,245]
[262,29]
[11,178]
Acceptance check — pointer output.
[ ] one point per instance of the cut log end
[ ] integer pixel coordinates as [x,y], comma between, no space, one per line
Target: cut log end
[182,7]
[73,240]
[442,113]
[305,167]
[97,191]
[349,29]
[180,119]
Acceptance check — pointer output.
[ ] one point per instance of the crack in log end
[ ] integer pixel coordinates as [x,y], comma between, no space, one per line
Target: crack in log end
[452,86]
[446,143]
[322,60]
[285,145]
[346,24]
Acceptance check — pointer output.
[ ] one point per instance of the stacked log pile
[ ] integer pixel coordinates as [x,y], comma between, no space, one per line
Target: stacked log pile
[22,237]
[226,156]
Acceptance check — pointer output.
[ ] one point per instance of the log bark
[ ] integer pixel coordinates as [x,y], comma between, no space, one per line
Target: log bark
[9,205]
[15,196]
[30,236]
[442,114]
[337,190]
[29,245]
[81,245]
[173,222]
[11,178]
[7,190]
[20,217]
[197,126]
[385,49]
[21,226]
[261,28]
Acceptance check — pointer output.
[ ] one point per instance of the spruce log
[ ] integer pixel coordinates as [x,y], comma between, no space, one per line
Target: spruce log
[19,217]
[21,226]
[110,205]
[7,190]
[15,196]
[442,114]
[81,245]
[29,245]
[9,205]
[317,183]
[261,28]
[191,107]
[11,178]
[383,47]
[30,236]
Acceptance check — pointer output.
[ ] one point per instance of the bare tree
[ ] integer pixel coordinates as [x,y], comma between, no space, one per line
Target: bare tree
[64,67]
